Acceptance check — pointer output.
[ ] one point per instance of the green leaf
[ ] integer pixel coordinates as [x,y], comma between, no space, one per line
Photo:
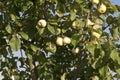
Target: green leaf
[40,30]
[8,28]
[96,63]
[113,7]
[115,33]
[79,1]
[104,73]
[75,39]
[51,29]
[72,14]
[51,47]
[15,43]
[79,23]
[34,48]
[118,73]
[64,30]
[13,17]
[18,23]
[24,35]
[17,77]
[29,56]
[115,56]
[91,48]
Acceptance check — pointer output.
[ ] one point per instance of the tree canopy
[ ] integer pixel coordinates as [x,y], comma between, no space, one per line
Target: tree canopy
[59,40]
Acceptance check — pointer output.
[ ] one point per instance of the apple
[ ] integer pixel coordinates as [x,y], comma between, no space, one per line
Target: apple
[63,76]
[42,23]
[102,8]
[74,25]
[12,77]
[95,1]
[89,23]
[75,50]
[95,78]
[95,34]
[59,41]
[66,40]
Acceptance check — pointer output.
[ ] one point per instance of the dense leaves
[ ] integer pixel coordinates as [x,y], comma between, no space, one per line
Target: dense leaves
[28,50]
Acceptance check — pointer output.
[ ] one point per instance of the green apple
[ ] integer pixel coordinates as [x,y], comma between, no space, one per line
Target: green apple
[95,1]
[102,8]
[59,41]
[42,23]
[66,40]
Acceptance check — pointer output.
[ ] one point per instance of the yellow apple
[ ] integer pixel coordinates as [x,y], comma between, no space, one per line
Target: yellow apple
[63,76]
[42,23]
[95,34]
[95,78]
[75,50]
[102,8]
[89,23]
[74,25]
[95,1]
[66,40]
[12,77]
[59,41]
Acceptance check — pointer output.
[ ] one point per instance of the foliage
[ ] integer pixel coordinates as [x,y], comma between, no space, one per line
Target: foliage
[41,58]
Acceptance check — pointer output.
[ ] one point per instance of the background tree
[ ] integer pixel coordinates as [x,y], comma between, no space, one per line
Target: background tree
[59,39]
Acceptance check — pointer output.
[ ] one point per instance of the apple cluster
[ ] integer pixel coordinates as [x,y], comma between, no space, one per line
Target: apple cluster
[60,41]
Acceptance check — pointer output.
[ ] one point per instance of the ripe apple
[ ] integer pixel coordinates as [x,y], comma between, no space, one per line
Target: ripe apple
[63,76]
[74,25]
[66,40]
[95,78]
[42,23]
[12,77]
[89,23]
[102,8]
[59,41]
[95,34]
[75,50]
[95,1]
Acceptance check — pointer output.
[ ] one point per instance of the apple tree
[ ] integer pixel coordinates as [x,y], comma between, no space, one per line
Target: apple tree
[59,40]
